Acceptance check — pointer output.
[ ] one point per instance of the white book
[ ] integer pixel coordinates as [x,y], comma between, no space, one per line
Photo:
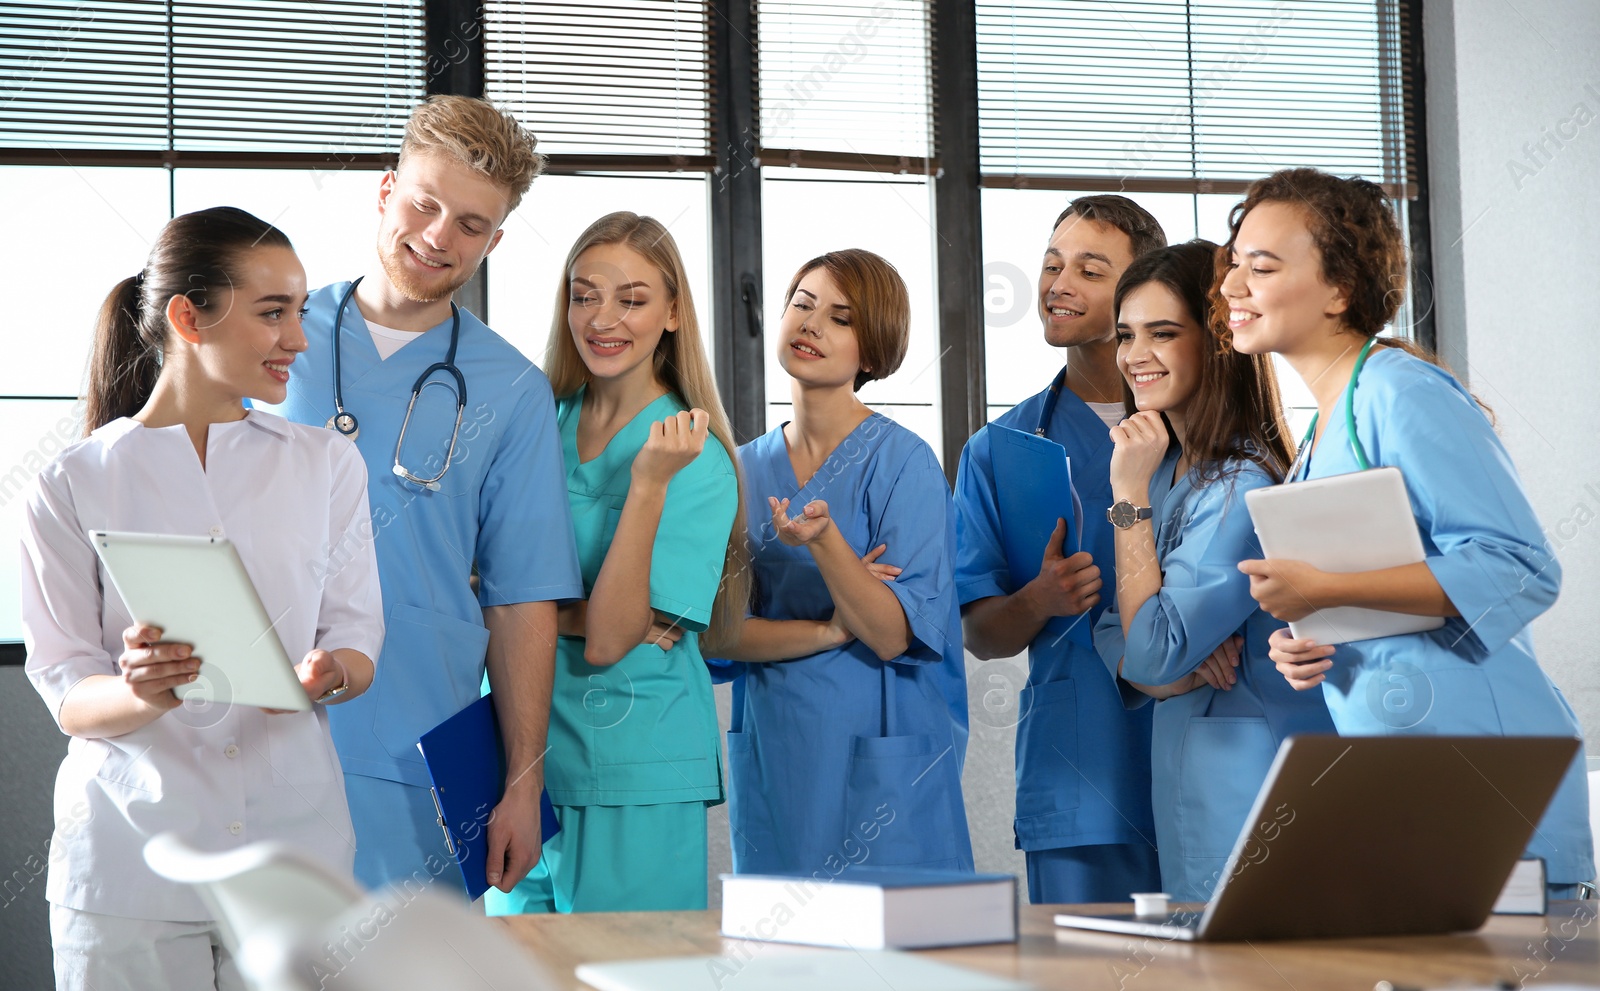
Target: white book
[872,908]
[786,969]
[1525,892]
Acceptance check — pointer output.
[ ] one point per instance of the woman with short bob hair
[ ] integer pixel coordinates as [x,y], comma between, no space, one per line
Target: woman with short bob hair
[849,711]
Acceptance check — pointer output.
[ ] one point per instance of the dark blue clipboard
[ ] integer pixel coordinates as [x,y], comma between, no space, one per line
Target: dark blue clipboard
[1033,488]
[467,764]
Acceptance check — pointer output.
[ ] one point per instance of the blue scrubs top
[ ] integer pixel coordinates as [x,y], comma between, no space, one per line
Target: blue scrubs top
[1211,750]
[1083,760]
[643,731]
[1477,674]
[839,758]
[501,506]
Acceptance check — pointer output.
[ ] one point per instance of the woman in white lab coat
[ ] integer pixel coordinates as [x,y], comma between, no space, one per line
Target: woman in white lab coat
[212,320]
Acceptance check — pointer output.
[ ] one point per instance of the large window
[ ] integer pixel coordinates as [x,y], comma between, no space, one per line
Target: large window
[293,76]
[625,78]
[1177,104]
[847,139]
[842,77]
[811,125]
[86,230]
[1190,90]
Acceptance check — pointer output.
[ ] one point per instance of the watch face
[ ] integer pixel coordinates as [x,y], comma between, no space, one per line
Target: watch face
[1123,514]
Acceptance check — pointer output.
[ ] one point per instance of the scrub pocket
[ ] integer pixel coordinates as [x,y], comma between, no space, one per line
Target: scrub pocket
[438,665]
[900,803]
[1047,746]
[1221,767]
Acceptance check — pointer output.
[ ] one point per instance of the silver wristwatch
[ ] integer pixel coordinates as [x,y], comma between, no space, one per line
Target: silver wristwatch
[1124,514]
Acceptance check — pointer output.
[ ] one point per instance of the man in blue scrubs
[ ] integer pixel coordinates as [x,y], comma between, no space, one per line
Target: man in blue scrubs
[483,494]
[1083,762]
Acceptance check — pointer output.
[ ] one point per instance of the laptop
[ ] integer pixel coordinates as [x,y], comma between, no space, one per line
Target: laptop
[1372,836]
[1361,521]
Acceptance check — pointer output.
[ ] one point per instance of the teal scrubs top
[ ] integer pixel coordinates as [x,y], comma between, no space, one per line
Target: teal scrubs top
[642,731]
[1083,761]
[1477,674]
[1211,749]
[500,507]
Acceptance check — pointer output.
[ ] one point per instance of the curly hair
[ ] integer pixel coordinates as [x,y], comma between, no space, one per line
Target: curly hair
[1351,223]
[1363,251]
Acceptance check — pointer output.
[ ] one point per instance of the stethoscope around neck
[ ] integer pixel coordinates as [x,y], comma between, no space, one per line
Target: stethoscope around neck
[346,423]
[1303,455]
[1052,397]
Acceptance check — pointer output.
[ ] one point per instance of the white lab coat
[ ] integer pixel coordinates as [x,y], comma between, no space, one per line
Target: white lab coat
[293,500]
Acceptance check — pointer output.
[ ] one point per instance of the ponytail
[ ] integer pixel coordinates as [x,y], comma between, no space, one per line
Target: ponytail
[123,365]
[195,256]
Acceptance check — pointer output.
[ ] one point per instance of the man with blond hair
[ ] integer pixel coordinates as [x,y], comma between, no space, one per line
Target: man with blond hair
[464,476]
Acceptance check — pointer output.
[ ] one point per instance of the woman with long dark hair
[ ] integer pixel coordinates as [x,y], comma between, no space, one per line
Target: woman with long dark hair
[1204,427]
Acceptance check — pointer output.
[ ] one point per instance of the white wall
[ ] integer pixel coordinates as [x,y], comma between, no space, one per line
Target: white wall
[1516,235]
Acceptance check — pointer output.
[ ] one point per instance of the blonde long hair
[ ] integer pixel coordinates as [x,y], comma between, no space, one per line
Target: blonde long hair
[681,365]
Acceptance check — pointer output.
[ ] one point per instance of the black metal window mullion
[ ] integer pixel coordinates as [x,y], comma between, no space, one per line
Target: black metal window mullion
[455,61]
[1419,214]
[736,259]
[455,52]
[958,228]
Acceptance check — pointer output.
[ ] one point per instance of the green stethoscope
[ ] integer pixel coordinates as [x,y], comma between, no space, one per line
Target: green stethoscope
[1304,453]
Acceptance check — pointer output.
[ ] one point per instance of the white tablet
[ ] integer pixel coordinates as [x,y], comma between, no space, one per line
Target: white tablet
[1361,521]
[197,591]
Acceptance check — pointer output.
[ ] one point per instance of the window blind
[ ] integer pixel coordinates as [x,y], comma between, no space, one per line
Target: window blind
[614,78]
[1177,94]
[845,77]
[334,76]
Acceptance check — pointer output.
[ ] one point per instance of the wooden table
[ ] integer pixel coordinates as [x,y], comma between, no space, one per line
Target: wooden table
[1560,947]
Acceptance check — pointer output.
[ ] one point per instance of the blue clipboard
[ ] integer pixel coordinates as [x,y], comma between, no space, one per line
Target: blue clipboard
[467,764]
[1033,489]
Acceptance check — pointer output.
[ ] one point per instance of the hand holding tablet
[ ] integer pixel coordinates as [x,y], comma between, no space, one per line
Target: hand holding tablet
[214,611]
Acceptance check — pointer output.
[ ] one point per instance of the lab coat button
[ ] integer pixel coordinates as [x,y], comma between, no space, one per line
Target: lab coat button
[216,531]
[230,751]
[236,828]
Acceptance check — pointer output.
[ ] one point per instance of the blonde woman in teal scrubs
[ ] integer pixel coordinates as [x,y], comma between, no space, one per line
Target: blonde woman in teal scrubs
[634,757]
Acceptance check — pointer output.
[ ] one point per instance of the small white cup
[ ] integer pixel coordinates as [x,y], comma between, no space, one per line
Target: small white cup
[1151,905]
